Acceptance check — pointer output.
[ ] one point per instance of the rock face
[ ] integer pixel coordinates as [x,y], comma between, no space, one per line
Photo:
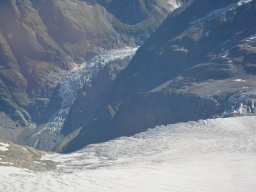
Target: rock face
[200,63]
[41,40]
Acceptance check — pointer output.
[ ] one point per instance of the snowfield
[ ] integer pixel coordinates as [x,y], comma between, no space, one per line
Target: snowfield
[217,155]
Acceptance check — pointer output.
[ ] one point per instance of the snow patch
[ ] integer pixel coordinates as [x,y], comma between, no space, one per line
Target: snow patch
[254,37]
[173,4]
[242,2]
[240,80]
[4,146]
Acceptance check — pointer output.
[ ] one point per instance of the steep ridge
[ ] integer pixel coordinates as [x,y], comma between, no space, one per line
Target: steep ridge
[209,155]
[43,41]
[198,64]
[133,11]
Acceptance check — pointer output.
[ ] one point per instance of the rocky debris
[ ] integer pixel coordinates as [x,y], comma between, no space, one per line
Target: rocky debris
[24,157]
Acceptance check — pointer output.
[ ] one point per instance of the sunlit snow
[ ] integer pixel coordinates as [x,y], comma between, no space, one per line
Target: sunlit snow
[239,80]
[4,146]
[216,13]
[241,2]
[216,155]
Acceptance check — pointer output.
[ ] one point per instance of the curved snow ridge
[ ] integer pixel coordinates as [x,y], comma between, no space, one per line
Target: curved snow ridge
[217,155]
[242,2]
[218,12]
[84,75]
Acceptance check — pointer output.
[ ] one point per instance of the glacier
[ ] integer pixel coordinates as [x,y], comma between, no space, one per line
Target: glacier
[215,155]
[68,88]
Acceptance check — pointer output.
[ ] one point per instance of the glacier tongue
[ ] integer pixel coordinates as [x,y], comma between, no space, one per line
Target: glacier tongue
[69,86]
[217,155]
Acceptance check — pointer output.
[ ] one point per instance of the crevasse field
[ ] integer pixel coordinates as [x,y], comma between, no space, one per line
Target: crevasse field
[212,155]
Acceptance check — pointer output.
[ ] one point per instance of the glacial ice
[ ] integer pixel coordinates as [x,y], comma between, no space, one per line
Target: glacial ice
[216,155]
[69,86]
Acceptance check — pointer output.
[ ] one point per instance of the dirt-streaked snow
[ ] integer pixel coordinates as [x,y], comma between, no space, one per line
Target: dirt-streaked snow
[213,155]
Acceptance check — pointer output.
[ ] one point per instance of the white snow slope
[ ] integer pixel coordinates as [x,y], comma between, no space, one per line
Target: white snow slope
[217,155]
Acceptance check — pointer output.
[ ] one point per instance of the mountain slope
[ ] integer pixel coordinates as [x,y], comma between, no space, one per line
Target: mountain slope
[42,41]
[193,67]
